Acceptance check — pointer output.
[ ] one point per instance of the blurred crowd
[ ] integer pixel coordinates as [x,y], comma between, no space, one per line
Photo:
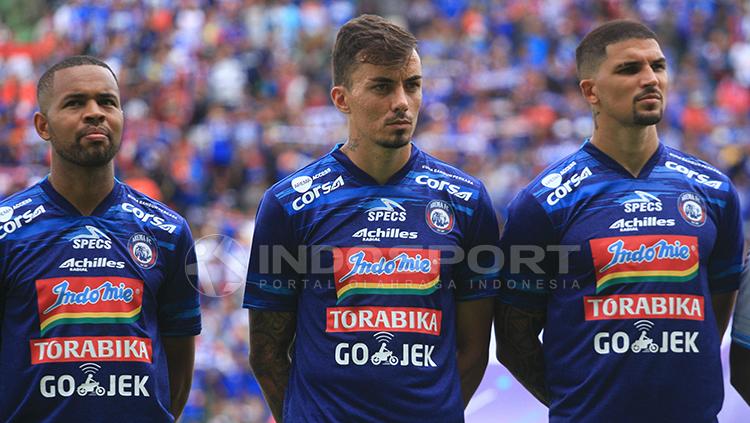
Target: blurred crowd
[224,97]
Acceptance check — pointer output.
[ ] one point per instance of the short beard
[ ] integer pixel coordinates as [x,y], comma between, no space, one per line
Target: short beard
[643,119]
[86,158]
[400,140]
[646,120]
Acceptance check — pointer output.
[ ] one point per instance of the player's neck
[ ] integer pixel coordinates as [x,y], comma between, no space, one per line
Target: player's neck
[84,188]
[378,162]
[631,147]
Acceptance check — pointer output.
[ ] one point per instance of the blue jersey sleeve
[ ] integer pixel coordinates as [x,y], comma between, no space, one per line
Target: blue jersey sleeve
[476,274]
[725,264]
[179,303]
[528,232]
[741,321]
[271,280]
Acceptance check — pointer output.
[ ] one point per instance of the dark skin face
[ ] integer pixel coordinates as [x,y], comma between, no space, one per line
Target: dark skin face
[83,120]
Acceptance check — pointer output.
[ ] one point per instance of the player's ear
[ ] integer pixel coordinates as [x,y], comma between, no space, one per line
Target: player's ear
[589,91]
[339,97]
[41,124]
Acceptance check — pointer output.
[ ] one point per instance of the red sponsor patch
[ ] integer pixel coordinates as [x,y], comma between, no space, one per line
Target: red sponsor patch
[644,258]
[389,319]
[90,348]
[644,306]
[88,300]
[383,271]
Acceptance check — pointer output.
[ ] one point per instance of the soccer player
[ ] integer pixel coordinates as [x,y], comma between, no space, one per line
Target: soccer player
[97,318]
[633,319]
[394,324]
[739,354]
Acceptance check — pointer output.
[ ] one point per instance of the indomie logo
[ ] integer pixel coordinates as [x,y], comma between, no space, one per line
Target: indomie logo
[83,300]
[386,272]
[648,258]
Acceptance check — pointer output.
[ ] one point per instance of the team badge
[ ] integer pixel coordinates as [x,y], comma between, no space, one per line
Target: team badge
[692,209]
[143,250]
[439,216]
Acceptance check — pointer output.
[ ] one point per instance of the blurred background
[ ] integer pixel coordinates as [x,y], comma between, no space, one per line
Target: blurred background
[222,98]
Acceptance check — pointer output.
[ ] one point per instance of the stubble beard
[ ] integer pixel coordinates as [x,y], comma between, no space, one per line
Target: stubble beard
[644,119]
[92,157]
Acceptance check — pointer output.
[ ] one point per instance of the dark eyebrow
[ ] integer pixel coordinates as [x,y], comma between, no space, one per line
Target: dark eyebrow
[660,61]
[383,79]
[78,96]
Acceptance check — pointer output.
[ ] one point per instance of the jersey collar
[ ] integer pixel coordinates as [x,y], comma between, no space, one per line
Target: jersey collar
[611,163]
[65,205]
[363,177]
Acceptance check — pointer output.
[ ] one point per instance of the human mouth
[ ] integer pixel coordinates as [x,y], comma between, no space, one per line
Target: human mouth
[94,134]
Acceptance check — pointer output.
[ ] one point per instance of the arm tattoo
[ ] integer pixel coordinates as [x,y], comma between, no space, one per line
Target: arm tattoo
[519,348]
[271,336]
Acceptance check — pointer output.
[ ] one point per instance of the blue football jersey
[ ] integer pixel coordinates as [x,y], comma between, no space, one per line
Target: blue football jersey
[381,268]
[741,320]
[630,333]
[84,304]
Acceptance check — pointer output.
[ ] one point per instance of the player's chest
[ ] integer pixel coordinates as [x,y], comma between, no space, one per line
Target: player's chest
[87,264]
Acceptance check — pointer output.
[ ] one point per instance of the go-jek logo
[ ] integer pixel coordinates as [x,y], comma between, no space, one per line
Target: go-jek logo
[84,300]
[644,258]
[360,354]
[622,342]
[53,386]
[383,271]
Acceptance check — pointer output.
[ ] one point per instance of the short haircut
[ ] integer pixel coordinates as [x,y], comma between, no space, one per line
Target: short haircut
[44,86]
[592,50]
[369,39]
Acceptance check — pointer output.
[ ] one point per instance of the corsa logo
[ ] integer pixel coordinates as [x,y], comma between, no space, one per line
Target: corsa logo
[645,258]
[381,271]
[88,300]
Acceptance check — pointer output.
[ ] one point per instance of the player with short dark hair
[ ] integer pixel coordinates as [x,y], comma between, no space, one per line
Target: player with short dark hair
[97,317]
[633,319]
[389,320]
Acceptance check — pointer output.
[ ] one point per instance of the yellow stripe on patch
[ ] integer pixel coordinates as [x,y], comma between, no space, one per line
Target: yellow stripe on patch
[386,285]
[120,315]
[642,273]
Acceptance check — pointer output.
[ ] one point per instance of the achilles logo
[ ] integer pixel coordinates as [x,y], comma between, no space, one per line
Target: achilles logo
[374,319]
[622,342]
[90,348]
[644,306]
[369,235]
[632,225]
[84,264]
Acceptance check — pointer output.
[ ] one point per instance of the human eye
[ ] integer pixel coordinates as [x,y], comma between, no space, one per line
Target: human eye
[413,85]
[73,102]
[381,88]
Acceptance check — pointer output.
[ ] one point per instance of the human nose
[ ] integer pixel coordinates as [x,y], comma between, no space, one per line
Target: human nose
[93,112]
[648,78]
[400,100]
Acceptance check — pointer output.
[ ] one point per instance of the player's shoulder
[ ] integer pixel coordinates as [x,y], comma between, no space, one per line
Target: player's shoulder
[439,175]
[699,171]
[305,185]
[149,211]
[20,209]
[560,179]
